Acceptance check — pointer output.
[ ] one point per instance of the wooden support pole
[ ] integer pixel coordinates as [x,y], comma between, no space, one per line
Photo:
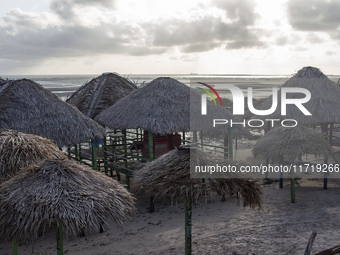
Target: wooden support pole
[292,184]
[60,240]
[151,157]
[230,136]
[201,137]
[94,157]
[125,148]
[331,125]
[194,133]
[281,173]
[152,204]
[14,247]
[188,223]
[226,146]
[76,152]
[127,177]
[105,156]
[325,176]
[267,164]
[151,152]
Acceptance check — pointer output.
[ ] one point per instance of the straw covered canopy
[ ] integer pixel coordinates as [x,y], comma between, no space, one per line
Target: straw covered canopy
[27,107]
[291,143]
[60,189]
[163,106]
[2,80]
[18,150]
[170,174]
[324,104]
[100,93]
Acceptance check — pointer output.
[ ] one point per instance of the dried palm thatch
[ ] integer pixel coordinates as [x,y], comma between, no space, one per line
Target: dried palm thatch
[163,106]
[170,174]
[324,104]
[61,189]
[27,107]
[2,80]
[100,93]
[291,143]
[18,150]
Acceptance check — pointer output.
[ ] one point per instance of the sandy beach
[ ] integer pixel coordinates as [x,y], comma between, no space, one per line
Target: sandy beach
[280,227]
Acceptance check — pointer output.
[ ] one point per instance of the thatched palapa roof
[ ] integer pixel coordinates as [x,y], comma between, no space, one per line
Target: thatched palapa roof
[61,189]
[170,174]
[100,93]
[27,107]
[163,106]
[324,104]
[291,143]
[18,150]
[2,80]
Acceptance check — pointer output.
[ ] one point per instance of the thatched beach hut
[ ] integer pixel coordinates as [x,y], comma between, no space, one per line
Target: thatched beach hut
[2,80]
[100,93]
[175,178]
[291,144]
[170,174]
[19,150]
[27,107]
[163,107]
[324,104]
[63,193]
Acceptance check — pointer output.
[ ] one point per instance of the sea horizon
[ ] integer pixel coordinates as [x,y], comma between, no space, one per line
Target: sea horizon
[65,85]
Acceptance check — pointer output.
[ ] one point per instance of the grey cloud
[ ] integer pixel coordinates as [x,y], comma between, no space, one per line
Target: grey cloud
[142,51]
[202,33]
[105,3]
[298,48]
[241,44]
[15,18]
[282,40]
[200,47]
[314,15]
[288,39]
[32,37]
[313,38]
[240,10]
[331,53]
[65,8]
[27,40]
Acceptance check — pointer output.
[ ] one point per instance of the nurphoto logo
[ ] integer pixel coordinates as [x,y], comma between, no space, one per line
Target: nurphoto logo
[238,104]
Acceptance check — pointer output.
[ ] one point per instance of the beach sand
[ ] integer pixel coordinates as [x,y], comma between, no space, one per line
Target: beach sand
[280,227]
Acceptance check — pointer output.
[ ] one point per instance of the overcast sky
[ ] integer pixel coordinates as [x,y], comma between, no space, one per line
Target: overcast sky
[177,36]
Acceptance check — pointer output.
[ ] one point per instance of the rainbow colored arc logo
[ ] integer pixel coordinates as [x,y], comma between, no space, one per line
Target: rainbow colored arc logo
[209,93]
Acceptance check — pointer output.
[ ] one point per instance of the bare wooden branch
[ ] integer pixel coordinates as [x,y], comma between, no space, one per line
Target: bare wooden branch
[310,243]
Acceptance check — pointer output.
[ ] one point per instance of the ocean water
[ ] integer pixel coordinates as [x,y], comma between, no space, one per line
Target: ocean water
[65,85]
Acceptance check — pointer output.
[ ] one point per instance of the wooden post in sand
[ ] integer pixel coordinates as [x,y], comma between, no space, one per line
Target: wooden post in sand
[292,184]
[151,156]
[194,133]
[60,239]
[230,136]
[94,157]
[106,170]
[14,247]
[188,223]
